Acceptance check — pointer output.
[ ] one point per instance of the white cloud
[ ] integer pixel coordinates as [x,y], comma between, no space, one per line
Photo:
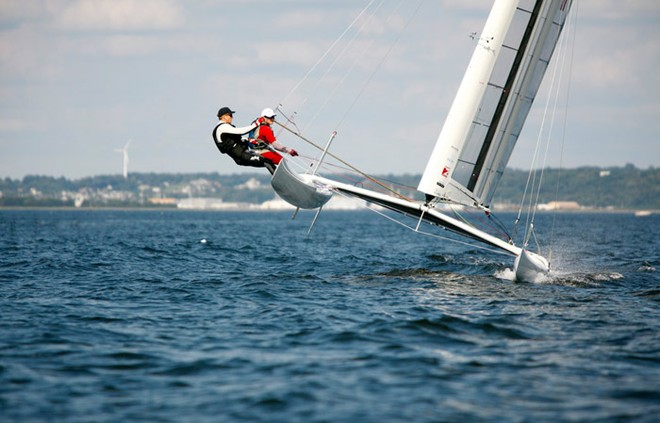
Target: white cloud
[121,15]
[300,19]
[20,10]
[12,125]
[616,9]
[129,45]
[94,72]
[473,5]
[617,57]
[291,52]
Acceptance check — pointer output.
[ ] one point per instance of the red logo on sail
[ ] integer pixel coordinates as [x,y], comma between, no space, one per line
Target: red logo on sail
[445,172]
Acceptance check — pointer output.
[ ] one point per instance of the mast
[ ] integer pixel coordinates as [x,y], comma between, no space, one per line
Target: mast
[493,100]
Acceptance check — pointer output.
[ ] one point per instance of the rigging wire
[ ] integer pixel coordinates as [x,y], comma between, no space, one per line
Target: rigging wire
[559,67]
[332,46]
[380,64]
[298,132]
[535,190]
[345,163]
[555,101]
[457,241]
[291,120]
[484,225]
[350,69]
[358,58]
[340,55]
[573,23]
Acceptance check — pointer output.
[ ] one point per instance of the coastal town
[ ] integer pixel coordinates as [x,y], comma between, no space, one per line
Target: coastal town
[583,189]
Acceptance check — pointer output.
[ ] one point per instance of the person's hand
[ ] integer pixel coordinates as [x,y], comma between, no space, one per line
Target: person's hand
[293,152]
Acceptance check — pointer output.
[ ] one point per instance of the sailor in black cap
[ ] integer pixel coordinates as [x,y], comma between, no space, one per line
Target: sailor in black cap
[228,139]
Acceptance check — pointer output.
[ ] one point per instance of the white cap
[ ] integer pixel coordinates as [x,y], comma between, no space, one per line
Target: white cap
[268,112]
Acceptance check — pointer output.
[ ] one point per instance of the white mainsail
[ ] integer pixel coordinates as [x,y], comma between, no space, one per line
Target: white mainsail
[493,100]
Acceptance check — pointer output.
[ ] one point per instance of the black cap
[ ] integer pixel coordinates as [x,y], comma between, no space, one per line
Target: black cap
[224,111]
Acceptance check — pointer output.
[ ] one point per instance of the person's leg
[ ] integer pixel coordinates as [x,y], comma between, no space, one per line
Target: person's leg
[243,158]
[272,156]
[270,166]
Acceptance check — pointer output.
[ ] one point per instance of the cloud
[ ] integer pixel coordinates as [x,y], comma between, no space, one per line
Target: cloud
[12,125]
[83,72]
[121,15]
[300,19]
[129,45]
[289,52]
[617,10]
[618,57]
[20,10]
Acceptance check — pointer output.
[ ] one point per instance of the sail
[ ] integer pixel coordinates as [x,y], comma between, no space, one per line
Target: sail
[493,100]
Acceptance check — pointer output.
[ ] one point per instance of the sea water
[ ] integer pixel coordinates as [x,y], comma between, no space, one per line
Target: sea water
[171,316]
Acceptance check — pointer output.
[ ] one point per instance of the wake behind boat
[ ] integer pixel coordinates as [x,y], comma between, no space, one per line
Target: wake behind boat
[477,138]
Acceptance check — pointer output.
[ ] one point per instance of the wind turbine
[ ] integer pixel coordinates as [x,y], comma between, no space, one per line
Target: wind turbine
[125,151]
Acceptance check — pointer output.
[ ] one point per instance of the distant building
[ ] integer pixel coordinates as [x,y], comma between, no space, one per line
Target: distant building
[210,204]
[251,184]
[167,201]
[560,205]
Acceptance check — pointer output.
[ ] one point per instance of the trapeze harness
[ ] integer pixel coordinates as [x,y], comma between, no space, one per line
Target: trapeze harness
[232,145]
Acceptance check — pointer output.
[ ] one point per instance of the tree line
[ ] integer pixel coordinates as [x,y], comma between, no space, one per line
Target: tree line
[626,187]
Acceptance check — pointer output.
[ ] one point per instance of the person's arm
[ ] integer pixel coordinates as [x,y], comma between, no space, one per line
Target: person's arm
[228,129]
[266,134]
[279,147]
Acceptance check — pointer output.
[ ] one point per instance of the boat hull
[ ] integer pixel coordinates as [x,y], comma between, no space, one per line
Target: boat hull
[530,267]
[298,189]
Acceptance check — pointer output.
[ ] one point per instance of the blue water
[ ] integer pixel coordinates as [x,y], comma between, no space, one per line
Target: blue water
[169,316]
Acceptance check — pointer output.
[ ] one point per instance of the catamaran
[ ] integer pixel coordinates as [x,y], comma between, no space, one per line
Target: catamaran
[477,138]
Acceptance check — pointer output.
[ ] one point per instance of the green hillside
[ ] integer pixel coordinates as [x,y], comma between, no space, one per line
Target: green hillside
[617,187]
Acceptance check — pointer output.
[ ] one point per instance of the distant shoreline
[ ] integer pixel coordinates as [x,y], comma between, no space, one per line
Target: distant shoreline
[253,210]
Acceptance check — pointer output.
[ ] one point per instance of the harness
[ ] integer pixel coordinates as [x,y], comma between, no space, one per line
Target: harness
[255,143]
[226,141]
[254,134]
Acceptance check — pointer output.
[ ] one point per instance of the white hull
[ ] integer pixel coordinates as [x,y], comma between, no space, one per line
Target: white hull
[299,189]
[530,267]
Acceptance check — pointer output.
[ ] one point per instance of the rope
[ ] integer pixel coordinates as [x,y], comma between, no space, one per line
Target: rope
[345,163]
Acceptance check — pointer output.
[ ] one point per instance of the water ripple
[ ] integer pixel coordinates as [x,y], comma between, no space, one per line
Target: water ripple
[122,316]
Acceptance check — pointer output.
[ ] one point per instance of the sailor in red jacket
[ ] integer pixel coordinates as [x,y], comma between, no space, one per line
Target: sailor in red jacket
[265,142]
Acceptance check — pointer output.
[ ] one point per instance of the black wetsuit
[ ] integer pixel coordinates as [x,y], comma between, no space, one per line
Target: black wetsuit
[227,138]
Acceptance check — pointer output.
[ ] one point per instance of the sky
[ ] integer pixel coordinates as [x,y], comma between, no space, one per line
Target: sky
[80,78]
